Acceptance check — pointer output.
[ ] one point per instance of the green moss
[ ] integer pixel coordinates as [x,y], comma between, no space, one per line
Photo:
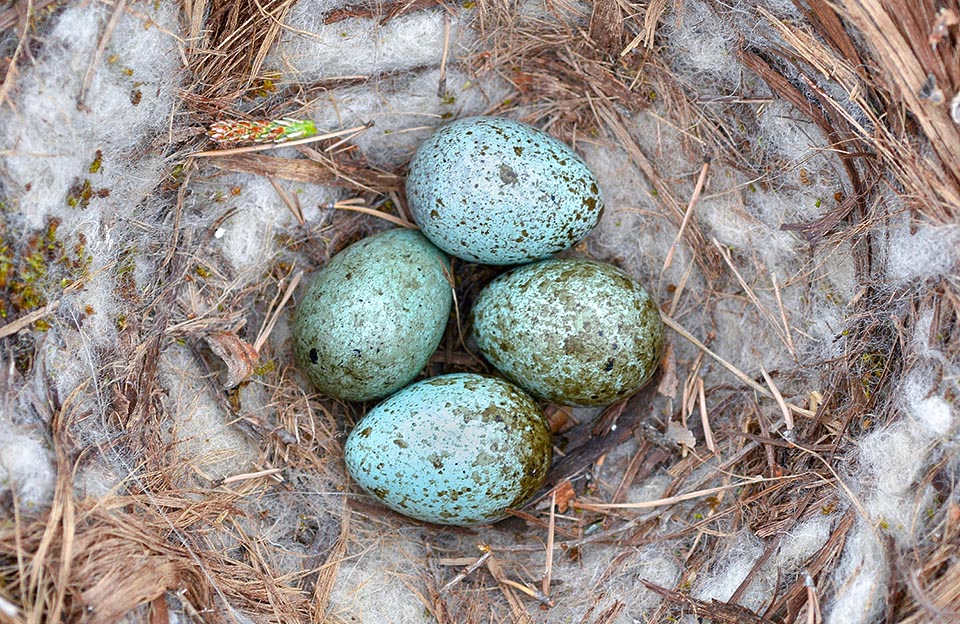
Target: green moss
[34,265]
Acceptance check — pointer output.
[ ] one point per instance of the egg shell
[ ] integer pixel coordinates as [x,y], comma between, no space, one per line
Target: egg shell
[496,191]
[373,315]
[572,331]
[456,449]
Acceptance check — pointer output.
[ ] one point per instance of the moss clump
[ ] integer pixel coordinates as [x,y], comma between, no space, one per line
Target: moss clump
[40,265]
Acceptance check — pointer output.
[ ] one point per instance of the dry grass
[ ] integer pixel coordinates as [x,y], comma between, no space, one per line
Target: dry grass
[96,560]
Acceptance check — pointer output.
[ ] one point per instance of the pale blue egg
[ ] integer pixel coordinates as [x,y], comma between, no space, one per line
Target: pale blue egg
[457,449]
[573,331]
[496,191]
[373,315]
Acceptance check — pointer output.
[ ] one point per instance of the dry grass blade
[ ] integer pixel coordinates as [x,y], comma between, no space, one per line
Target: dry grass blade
[672,324]
[673,500]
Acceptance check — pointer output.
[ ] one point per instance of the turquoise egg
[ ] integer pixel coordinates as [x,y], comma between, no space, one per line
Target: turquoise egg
[457,449]
[373,315]
[572,331]
[496,191]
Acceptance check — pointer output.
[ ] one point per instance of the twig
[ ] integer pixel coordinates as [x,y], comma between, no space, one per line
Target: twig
[686,215]
[265,331]
[24,321]
[704,419]
[550,535]
[12,69]
[813,603]
[764,313]
[783,313]
[293,203]
[679,498]
[271,472]
[533,593]
[787,416]
[442,85]
[470,569]
[376,213]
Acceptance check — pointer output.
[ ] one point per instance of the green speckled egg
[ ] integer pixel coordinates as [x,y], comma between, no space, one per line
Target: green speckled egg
[457,449]
[573,331]
[496,191]
[373,315]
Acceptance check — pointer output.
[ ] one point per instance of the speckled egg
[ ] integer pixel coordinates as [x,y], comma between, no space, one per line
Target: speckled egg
[573,331]
[457,449]
[496,191]
[373,315]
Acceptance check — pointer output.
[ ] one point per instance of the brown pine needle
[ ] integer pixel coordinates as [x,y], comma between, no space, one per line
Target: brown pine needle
[292,203]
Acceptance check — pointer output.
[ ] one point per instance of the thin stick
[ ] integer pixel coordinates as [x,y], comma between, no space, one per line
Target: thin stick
[548,572]
[269,146]
[442,86]
[24,321]
[787,416]
[783,312]
[12,68]
[672,324]
[470,569]
[686,215]
[704,419]
[118,9]
[254,475]
[679,498]
[533,593]
[813,603]
[376,213]
[681,286]
[292,202]
[265,332]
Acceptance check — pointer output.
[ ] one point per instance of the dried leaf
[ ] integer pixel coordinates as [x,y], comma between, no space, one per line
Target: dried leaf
[565,495]
[239,356]
[668,382]
[682,436]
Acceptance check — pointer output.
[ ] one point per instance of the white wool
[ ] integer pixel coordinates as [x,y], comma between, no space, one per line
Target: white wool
[376,584]
[248,238]
[702,46]
[405,110]
[48,144]
[931,412]
[929,252]
[726,575]
[860,579]
[26,467]
[801,542]
[203,435]
[603,566]
[310,50]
